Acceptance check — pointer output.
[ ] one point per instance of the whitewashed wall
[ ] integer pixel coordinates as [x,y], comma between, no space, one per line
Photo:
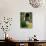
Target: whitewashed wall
[12,8]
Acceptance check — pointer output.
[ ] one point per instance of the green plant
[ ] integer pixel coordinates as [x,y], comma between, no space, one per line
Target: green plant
[23,24]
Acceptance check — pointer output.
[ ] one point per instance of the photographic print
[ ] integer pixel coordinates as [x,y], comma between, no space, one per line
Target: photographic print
[26,19]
